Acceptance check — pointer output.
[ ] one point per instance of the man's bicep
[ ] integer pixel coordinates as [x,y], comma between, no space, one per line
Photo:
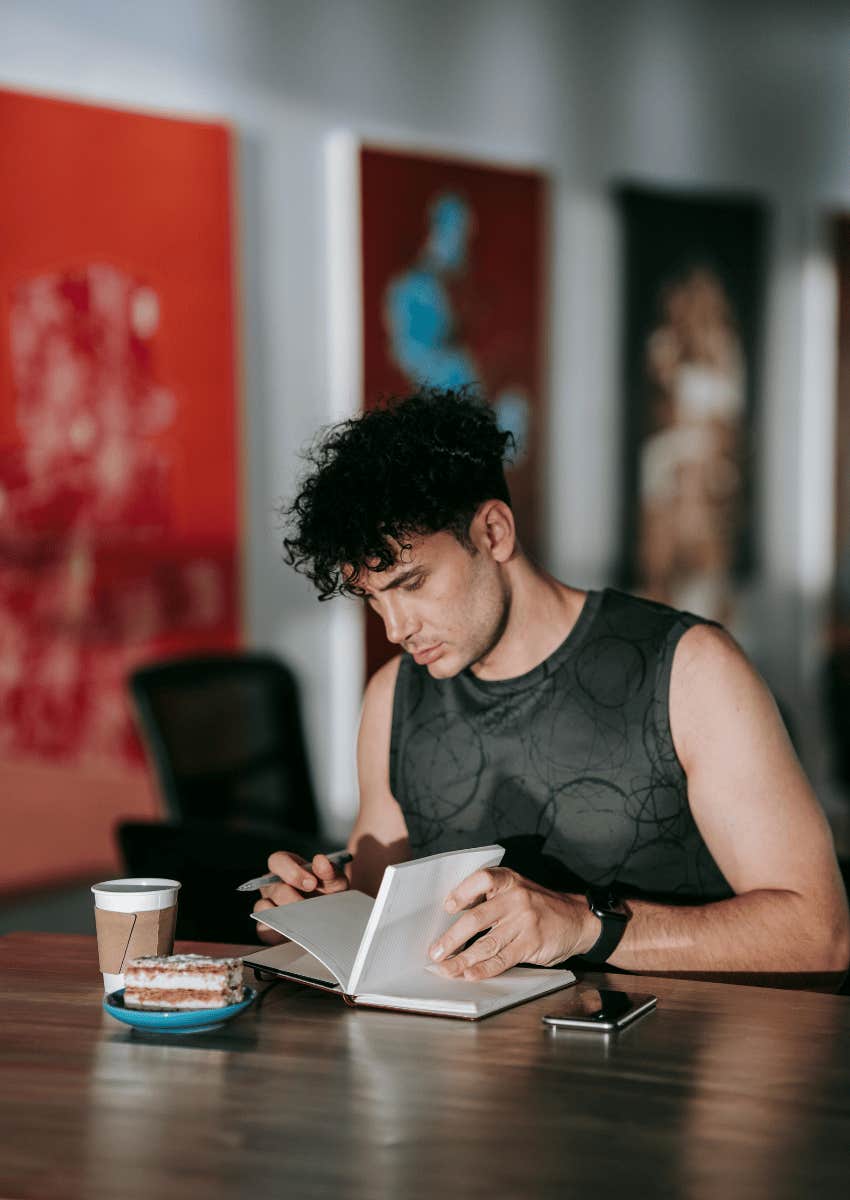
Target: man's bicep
[379,836]
[747,791]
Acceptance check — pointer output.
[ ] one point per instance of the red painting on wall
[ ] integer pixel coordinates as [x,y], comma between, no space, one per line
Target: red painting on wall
[118,464]
[454,295]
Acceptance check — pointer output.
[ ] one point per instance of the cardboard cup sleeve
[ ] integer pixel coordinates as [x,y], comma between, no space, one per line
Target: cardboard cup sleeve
[123,936]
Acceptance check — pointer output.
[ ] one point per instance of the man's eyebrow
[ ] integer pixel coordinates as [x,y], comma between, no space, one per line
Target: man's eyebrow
[402,578]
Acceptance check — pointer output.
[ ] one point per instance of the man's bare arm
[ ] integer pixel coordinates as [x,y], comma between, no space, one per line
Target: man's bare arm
[379,836]
[788,921]
[763,824]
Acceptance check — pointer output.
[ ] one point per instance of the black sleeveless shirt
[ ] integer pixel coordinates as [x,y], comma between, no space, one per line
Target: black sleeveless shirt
[571,767]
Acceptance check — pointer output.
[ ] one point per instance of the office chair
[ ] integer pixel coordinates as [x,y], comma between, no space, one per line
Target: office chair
[227,741]
[210,863]
[225,735]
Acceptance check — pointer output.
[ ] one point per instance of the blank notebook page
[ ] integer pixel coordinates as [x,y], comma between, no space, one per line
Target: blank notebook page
[409,915]
[330,927]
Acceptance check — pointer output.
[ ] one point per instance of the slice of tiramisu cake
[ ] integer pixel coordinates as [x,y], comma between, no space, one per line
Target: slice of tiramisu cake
[182,981]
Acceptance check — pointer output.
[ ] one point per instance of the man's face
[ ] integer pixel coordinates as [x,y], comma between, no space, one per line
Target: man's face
[442,603]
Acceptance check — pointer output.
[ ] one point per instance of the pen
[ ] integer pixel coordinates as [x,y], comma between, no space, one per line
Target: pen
[338,858]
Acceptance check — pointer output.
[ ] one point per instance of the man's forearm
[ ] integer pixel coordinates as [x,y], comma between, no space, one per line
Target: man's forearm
[769,936]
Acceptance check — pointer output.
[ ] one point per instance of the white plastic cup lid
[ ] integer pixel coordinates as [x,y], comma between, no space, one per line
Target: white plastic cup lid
[135,895]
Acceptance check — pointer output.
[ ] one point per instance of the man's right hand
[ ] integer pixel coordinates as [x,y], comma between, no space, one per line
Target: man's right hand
[300,880]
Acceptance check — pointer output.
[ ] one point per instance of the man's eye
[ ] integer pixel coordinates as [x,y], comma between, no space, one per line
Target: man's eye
[415,585]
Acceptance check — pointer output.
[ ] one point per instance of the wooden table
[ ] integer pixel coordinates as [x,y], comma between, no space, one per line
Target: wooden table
[722,1092]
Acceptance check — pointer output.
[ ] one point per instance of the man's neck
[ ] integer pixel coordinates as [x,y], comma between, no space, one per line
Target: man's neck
[542,613]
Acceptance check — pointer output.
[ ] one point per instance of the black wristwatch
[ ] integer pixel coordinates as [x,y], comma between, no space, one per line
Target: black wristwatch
[614,915]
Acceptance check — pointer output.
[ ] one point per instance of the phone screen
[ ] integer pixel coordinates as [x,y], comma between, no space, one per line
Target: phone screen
[600,1008]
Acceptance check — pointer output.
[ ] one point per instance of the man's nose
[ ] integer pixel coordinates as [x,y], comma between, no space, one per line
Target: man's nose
[399,622]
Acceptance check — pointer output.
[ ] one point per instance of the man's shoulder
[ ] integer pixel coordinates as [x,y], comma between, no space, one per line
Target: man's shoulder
[712,683]
[708,651]
[377,708]
[627,611]
[381,685]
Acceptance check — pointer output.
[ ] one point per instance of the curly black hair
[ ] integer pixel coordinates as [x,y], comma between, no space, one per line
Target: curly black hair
[409,467]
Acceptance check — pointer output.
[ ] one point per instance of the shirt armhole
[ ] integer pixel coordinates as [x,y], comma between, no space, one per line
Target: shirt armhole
[661,697]
[396,726]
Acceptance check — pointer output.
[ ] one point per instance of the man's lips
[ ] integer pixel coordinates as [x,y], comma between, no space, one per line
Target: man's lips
[428,654]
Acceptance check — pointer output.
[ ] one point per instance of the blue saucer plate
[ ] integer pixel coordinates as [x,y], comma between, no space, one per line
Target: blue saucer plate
[195,1020]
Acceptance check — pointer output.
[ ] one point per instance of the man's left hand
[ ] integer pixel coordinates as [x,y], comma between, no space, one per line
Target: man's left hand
[526,923]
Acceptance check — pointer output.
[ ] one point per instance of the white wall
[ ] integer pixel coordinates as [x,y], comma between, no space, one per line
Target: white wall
[687,92]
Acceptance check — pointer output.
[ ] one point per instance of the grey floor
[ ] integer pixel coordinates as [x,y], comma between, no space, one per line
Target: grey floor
[65,910]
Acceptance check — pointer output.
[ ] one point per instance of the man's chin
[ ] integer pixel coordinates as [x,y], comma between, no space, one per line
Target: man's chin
[443,667]
[447,664]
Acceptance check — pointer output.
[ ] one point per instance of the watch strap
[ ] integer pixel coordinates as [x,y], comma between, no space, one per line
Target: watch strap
[614,917]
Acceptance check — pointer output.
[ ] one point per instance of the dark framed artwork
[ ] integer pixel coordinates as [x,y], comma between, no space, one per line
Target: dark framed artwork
[694,278]
[454,294]
[837,667]
[841,241]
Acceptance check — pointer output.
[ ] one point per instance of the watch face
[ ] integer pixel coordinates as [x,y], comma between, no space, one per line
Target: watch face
[605,903]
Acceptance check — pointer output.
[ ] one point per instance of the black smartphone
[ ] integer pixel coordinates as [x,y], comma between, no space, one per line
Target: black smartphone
[600,1008]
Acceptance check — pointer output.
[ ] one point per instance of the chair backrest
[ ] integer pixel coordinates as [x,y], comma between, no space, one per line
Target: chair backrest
[210,861]
[226,737]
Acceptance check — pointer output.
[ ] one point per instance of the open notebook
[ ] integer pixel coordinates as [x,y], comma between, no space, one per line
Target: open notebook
[375,952]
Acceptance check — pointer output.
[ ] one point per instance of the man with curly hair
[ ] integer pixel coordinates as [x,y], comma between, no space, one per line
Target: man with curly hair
[627,756]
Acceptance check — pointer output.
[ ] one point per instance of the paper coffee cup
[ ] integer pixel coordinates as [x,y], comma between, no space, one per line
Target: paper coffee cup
[134,917]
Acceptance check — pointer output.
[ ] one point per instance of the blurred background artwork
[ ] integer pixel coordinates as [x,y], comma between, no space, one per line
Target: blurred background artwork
[693,281]
[118,472]
[453,295]
[837,667]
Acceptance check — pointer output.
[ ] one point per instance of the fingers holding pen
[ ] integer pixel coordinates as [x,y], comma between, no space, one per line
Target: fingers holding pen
[320,876]
[330,876]
[298,880]
[293,870]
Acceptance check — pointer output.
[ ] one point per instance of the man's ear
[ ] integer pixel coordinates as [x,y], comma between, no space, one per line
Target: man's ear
[493,530]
